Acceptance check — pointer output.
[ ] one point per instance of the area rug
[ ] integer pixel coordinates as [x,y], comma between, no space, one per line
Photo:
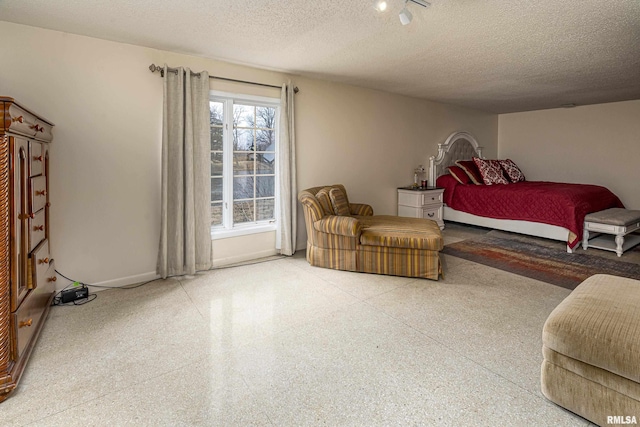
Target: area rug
[537,259]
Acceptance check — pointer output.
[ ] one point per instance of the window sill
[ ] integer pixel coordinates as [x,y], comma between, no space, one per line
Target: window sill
[220,233]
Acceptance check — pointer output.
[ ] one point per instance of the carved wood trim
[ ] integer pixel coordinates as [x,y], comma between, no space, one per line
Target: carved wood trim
[5,117]
[5,342]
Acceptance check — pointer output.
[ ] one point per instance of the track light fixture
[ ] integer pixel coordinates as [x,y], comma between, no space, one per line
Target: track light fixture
[405,15]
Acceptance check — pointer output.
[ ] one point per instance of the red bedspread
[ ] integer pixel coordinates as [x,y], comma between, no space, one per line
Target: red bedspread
[554,203]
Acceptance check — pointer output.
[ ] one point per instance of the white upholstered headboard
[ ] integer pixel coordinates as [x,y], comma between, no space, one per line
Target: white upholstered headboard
[459,146]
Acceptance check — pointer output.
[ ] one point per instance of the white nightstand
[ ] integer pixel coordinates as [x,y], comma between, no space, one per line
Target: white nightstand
[421,203]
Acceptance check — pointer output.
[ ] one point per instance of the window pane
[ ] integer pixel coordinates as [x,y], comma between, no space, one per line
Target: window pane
[216,189]
[265,209]
[244,179]
[216,164]
[243,115]
[216,116]
[265,117]
[265,140]
[216,213]
[243,187]
[243,164]
[243,140]
[265,186]
[243,212]
[265,163]
[216,139]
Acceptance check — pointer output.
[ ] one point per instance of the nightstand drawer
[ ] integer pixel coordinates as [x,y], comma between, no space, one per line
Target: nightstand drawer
[432,198]
[419,198]
[434,213]
[414,199]
[422,203]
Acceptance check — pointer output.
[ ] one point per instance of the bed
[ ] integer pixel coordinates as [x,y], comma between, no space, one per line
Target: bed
[544,209]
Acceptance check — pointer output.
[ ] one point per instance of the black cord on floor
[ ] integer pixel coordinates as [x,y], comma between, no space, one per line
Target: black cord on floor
[110,287]
[57,299]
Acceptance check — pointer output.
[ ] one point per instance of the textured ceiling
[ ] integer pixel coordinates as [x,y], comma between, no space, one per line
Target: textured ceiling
[493,55]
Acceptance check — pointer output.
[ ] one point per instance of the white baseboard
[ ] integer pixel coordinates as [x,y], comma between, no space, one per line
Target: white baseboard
[220,262]
[123,281]
[145,277]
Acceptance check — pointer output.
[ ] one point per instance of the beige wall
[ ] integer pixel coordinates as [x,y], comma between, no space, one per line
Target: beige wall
[592,144]
[107,107]
[371,141]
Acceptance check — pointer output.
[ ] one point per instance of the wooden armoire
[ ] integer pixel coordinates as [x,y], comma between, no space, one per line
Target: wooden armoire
[27,273]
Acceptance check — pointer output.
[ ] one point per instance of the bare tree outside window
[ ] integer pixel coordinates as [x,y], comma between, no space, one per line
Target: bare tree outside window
[253,142]
[254,156]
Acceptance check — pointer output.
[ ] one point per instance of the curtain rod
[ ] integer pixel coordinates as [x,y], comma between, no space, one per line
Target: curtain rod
[154,68]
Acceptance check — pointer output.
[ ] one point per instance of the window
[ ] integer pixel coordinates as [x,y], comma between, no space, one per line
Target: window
[244,141]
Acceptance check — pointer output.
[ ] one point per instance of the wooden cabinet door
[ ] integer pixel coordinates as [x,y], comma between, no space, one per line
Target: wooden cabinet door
[19,206]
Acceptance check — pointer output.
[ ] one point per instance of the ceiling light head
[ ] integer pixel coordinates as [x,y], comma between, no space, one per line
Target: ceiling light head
[405,16]
[380,5]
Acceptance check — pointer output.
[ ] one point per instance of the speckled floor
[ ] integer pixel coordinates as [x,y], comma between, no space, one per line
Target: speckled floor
[282,343]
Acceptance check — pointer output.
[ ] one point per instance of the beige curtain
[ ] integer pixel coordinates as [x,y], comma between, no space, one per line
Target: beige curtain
[185,237]
[286,236]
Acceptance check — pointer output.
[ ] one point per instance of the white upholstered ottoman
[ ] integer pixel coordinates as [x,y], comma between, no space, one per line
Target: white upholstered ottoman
[617,221]
[591,348]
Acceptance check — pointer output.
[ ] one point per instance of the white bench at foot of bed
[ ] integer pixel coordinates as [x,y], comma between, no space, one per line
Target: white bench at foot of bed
[536,229]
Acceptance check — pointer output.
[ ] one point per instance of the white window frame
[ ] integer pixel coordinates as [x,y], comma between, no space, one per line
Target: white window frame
[228,229]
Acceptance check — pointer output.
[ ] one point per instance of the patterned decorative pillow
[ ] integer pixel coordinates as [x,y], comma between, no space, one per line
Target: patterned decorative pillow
[472,171]
[325,200]
[491,171]
[339,202]
[512,170]
[459,174]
